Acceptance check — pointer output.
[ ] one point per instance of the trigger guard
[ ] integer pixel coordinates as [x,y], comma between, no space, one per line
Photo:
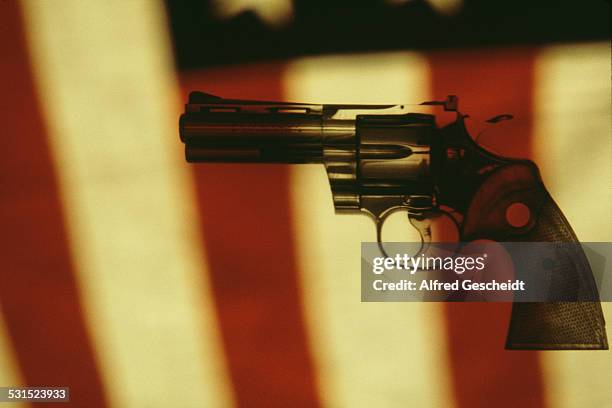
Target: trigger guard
[421,222]
[379,223]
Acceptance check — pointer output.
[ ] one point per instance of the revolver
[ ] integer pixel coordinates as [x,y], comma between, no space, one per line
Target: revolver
[383,158]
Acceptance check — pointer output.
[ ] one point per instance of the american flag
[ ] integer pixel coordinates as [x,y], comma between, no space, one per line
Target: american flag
[140,281]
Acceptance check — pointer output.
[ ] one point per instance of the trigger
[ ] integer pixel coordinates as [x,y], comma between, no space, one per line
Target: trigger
[422,224]
[379,223]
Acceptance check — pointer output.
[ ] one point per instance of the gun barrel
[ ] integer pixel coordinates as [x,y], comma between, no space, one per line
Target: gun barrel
[260,138]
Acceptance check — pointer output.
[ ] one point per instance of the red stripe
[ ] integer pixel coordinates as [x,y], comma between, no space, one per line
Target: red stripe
[489,83]
[38,293]
[247,227]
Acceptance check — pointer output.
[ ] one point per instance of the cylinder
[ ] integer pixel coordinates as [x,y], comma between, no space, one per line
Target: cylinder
[395,153]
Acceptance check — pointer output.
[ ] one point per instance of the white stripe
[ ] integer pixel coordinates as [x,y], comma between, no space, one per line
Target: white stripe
[366,354]
[9,371]
[573,148]
[107,86]
[573,135]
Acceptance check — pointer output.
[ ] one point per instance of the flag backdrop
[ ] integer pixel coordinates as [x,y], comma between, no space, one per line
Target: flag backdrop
[140,281]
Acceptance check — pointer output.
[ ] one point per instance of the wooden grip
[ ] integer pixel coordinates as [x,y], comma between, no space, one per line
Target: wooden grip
[570,325]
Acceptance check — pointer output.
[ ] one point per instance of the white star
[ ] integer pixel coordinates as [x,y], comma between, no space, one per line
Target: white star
[445,7]
[274,12]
